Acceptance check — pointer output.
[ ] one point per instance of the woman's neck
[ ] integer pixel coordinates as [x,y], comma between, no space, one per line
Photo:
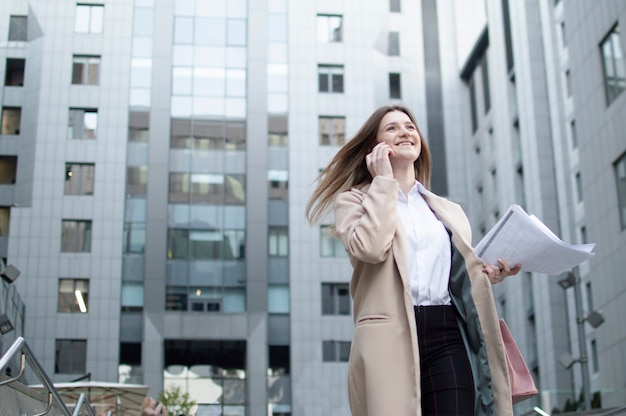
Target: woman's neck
[405,177]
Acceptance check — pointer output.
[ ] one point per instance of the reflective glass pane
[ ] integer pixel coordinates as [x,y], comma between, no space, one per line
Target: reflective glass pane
[143,22]
[183,55]
[210,32]
[235,83]
[141,73]
[142,47]
[237,8]
[181,81]
[81,24]
[210,56]
[277,28]
[183,30]
[237,33]
[181,107]
[184,7]
[236,57]
[277,52]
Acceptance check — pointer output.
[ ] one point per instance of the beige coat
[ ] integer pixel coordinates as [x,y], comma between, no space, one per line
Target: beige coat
[383,376]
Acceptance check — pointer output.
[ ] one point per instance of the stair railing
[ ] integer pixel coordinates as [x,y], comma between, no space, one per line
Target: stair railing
[21,348]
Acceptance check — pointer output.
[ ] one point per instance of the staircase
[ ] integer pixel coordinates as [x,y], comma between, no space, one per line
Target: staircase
[18,399]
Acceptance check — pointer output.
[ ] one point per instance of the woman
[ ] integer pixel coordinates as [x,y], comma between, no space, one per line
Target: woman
[426,339]
[150,407]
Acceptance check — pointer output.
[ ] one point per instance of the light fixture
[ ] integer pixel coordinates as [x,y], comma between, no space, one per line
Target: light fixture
[567,360]
[81,301]
[5,324]
[10,273]
[595,319]
[568,281]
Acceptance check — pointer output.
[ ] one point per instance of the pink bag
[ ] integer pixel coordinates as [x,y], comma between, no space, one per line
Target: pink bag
[522,383]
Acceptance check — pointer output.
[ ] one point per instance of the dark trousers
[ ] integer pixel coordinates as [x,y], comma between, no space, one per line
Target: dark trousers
[446,375]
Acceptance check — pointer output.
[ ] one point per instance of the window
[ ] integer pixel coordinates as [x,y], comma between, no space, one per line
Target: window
[583,235]
[620,179]
[193,244]
[278,241]
[5,220]
[474,110]
[70,356]
[89,18]
[76,236]
[394,44]
[11,120]
[18,28]
[332,130]
[206,188]
[278,184]
[136,180]
[594,356]
[330,245]
[579,187]
[134,238]
[395,89]
[506,18]
[572,126]
[568,82]
[589,297]
[335,299]
[73,296]
[329,28]
[82,124]
[85,70]
[14,76]
[394,6]
[8,170]
[278,298]
[330,78]
[613,65]
[132,297]
[486,92]
[138,126]
[563,37]
[79,178]
[335,351]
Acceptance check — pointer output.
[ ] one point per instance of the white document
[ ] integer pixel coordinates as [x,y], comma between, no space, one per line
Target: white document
[523,239]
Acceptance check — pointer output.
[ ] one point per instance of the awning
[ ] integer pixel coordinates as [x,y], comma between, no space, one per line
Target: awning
[118,398]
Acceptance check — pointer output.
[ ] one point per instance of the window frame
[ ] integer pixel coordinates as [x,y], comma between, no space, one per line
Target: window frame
[328,241]
[278,241]
[10,112]
[334,351]
[326,31]
[393,45]
[85,133]
[18,32]
[73,306]
[89,72]
[84,184]
[91,29]
[619,168]
[336,300]
[335,137]
[334,75]
[395,85]
[75,350]
[612,40]
[78,245]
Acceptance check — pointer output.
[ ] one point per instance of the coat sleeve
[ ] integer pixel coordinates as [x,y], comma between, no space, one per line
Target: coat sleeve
[366,220]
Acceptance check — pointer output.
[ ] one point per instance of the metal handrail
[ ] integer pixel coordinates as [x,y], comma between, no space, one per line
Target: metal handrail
[20,347]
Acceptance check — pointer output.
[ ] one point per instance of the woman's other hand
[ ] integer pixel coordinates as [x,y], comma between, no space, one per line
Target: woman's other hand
[497,272]
[378,163]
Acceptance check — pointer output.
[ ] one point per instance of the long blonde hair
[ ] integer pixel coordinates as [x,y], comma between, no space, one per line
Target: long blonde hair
[348,168]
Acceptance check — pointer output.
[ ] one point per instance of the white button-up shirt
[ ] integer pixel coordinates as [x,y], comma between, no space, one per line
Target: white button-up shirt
[429,248]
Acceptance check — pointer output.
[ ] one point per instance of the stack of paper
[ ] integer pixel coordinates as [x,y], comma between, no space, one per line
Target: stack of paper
[523,239]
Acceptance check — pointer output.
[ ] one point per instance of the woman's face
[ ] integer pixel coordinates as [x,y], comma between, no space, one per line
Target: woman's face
[398,131]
